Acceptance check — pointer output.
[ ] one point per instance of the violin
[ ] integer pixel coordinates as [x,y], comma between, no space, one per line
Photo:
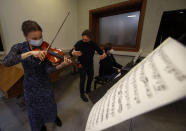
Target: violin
[54,55]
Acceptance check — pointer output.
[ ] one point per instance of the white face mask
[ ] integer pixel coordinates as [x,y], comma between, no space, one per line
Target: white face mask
[111,51]
[36,43]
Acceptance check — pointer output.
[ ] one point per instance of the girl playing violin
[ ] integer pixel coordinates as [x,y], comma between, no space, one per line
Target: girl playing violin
[38,91]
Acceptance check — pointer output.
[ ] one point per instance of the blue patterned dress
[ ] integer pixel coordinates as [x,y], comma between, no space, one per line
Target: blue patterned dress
[38,91]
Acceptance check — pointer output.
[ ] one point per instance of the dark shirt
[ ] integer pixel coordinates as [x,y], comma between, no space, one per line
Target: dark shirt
[38,91]
[88,51]
[107,66]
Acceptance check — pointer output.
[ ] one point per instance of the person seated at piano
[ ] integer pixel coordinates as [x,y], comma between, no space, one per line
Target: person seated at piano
[38,91]
[109,68]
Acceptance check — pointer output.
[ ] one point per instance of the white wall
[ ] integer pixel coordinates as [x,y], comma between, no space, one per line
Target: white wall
[154,10]
[48,13]
[83,11]
[153,16]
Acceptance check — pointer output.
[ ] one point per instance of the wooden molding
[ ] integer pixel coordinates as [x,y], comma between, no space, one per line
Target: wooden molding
[115,9]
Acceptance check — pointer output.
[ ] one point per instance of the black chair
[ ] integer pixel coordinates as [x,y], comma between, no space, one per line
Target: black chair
[99,80]
[102,81]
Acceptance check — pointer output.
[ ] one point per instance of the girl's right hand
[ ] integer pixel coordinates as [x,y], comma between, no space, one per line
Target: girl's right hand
[39,54]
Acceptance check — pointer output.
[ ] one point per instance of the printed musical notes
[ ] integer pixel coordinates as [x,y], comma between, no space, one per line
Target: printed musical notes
[158,80]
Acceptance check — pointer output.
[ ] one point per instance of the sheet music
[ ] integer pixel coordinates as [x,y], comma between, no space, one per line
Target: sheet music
[158,80]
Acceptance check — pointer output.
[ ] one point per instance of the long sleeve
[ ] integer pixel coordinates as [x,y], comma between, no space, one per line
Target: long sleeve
[70,53]
[75,47]
[103,68]
[13,57]
[99,51]
[106,67]
[117,65]
[49,67]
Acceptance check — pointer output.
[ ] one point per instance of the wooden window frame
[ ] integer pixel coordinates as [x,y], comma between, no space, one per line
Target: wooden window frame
[115,9]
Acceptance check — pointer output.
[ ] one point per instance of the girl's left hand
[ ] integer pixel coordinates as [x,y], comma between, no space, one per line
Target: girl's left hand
[64,63]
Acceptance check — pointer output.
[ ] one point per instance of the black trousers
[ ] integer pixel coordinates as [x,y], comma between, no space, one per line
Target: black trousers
[89,72]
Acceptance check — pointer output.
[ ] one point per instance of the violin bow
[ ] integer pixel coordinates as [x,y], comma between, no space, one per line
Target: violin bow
[58,30]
